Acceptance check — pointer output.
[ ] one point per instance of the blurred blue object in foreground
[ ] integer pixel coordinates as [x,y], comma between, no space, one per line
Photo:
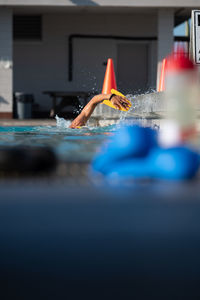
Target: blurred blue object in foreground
[128,142]
[134,153]
[178,163]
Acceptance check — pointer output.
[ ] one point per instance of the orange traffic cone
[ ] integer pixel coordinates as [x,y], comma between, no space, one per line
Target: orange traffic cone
[161,86]
[109,79]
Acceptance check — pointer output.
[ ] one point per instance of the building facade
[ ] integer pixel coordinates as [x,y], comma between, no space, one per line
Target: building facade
[64,45]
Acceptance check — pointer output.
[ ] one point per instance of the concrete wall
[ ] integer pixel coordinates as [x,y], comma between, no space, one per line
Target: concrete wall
[5,61]
[165,36]
[40,66]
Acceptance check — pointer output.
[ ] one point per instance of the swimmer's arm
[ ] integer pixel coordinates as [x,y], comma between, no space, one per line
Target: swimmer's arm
[88,110]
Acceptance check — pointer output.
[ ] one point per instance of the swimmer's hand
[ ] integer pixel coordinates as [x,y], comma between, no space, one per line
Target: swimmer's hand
[120,102]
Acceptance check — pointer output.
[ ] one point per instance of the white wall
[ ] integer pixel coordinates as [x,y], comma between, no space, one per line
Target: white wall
[40,66]
[165,36]
[165,32]
[5,60]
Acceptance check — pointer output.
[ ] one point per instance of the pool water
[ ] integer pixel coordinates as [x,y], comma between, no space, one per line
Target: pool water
[70,145]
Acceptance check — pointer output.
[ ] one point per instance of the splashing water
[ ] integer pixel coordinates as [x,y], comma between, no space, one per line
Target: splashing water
[145,107]
[62,123]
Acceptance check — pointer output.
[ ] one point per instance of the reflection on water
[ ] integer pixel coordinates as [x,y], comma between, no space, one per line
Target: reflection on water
[74,145]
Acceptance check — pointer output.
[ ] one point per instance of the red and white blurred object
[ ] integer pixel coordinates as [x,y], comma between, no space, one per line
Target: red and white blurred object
[181,98]
[177,46]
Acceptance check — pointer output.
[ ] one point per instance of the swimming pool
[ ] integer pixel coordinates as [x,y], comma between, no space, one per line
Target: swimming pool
[70,145]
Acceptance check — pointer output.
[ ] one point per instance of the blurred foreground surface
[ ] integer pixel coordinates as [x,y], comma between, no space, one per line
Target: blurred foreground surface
[78,242]
[64,235]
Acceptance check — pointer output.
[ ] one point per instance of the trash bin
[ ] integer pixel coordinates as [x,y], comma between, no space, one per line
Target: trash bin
[24,104]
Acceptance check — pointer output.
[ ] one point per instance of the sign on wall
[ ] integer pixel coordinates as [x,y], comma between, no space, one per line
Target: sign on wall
[195,36]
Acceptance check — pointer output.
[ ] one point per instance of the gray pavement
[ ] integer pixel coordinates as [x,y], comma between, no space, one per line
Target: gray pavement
[27,122]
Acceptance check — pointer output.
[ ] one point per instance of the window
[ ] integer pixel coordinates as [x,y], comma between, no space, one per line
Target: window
[27,27]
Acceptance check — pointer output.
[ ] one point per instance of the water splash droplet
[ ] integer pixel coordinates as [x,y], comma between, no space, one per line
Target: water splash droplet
[62,123]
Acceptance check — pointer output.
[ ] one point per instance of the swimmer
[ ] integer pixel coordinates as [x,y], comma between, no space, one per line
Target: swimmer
[118,101]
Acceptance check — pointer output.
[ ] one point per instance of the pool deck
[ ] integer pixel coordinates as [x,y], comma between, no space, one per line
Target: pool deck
[94,121]
[28,122]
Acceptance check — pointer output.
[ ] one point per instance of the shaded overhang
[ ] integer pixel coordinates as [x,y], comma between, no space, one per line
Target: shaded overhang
[182,8]
[106,3]
[181,15]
